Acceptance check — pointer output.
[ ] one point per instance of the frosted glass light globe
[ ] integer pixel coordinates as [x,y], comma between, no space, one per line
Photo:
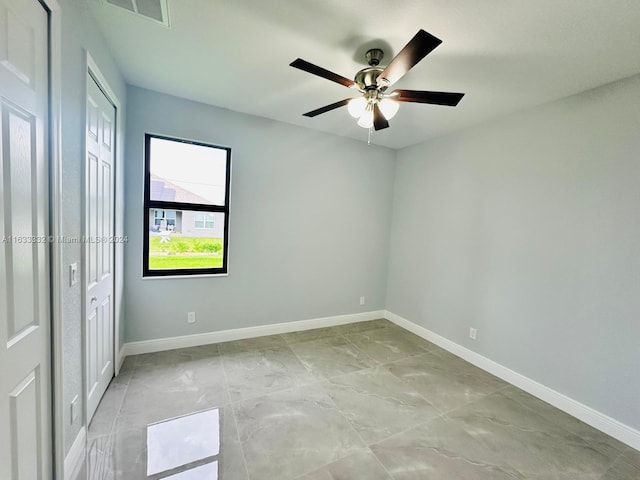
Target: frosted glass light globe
[366,120]
[356,107]
[388,107]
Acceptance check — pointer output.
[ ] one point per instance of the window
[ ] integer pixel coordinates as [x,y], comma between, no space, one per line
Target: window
[186,205]
[203,220]
[169,217]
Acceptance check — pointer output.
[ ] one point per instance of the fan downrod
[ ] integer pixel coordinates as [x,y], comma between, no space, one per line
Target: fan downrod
[374,56]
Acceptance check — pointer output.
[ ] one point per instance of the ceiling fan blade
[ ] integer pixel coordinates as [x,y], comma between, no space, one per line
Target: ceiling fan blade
[420,96]
[418,47]
[321,72]
[327,108]
[379,122]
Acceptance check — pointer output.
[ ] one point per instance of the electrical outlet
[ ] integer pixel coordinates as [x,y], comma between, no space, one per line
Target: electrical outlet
[473,333]
[75,411]
[362,300]
[191,317]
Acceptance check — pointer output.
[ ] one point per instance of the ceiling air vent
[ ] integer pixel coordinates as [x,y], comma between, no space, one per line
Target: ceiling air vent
[156,10]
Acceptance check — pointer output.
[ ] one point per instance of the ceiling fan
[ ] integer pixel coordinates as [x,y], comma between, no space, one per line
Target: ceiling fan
[374,108]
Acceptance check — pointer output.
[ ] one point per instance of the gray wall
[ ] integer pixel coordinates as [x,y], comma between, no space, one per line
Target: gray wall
[309,225]
[79,32]
[528,229]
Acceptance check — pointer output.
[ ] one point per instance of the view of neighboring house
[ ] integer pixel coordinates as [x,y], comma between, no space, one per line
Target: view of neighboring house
[185,222]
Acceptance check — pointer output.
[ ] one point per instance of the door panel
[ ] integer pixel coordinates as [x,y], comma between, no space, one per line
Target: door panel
[25,384]
[92,334]
[107,219]
[18,52]
[19,193]
[99,255]
[92,259]
[106,335]
[26,428]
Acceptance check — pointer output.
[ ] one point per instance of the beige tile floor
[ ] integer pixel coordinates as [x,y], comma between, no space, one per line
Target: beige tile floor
[361,401]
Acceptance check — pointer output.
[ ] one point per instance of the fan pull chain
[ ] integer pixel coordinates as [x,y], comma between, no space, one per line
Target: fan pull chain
[369,136]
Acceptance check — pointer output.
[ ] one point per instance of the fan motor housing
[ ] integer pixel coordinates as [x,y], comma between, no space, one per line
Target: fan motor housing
[367,78]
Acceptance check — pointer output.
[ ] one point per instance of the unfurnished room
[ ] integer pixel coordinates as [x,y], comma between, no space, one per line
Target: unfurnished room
[319,240]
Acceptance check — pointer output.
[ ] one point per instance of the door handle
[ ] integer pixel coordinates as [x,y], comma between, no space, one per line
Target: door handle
[94,299]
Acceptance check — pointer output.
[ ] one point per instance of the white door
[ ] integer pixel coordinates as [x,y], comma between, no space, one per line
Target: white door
[25,338]
[99,228]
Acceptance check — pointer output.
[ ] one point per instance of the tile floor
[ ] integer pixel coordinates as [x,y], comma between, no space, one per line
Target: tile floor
[361,401]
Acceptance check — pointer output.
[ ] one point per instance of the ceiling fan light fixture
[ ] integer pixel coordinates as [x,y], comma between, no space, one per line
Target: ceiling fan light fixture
[389,108]
[356,107]
[375,108]
[366,120]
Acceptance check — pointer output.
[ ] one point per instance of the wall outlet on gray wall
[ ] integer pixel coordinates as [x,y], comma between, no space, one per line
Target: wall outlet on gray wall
[75,411]
[473,333]
[191,317]
[73,274]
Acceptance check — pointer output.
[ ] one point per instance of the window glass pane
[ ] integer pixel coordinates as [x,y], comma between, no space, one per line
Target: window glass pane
[208,220]
[182,244]
[199,220]
[183,172]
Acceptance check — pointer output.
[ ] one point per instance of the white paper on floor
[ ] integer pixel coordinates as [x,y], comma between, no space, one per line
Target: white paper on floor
[183,440]
[208,471]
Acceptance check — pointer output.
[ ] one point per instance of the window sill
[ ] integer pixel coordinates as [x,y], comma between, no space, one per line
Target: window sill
[174,277]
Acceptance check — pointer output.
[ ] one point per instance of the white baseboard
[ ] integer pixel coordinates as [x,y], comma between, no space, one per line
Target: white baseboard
[161,344]
[120,355]
[588,415]
[76,454]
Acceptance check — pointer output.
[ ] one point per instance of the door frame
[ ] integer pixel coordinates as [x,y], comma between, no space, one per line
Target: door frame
[55,228]
[93,71]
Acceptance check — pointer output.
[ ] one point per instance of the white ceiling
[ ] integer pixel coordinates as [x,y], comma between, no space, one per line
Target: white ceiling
[506,55]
